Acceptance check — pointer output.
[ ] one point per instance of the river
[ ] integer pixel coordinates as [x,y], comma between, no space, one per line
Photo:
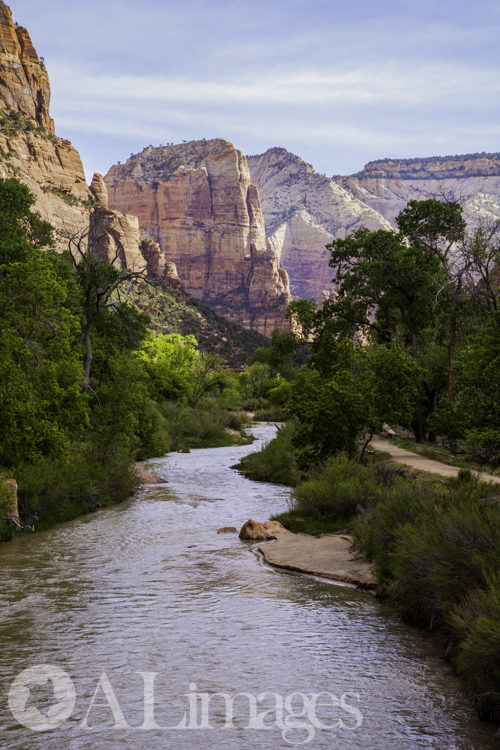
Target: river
[146,596]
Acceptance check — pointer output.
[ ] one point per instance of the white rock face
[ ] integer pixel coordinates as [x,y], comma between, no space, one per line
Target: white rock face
[474,180]
[304,211]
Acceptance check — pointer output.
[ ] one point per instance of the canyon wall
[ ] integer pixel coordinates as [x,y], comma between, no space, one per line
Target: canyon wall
[197,201]
[388,185]
[52,169]
[304,211]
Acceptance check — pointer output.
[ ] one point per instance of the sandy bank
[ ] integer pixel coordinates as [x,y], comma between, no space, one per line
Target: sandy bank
[330,556]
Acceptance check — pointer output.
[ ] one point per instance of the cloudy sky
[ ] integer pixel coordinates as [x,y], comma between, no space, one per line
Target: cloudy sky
[338,82]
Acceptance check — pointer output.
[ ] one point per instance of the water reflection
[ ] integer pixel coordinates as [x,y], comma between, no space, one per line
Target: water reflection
[149,586]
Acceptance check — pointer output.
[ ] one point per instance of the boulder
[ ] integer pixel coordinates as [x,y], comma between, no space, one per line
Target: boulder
[8,499]
[260,531]
[228,530]
[145,477]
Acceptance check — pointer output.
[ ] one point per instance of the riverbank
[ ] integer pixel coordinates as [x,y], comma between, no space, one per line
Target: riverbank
[149,586]
[53,491]
[331,556]
[434,539]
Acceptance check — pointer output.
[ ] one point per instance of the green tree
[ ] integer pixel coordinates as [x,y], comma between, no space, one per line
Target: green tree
[40,368]
[363,389]
[21,229]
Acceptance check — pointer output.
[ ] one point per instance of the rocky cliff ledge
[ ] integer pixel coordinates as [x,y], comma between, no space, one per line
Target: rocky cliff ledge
[387,185]
[24,83]
[29,149]
[52,168]
[304,211]
[197,201]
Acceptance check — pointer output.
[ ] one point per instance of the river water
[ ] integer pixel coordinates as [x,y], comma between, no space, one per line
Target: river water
[150,595]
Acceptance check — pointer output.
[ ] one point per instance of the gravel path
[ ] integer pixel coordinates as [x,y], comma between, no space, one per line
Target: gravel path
[402,456]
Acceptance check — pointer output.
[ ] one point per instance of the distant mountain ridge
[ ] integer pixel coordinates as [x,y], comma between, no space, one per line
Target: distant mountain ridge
[304,210]
[388,184]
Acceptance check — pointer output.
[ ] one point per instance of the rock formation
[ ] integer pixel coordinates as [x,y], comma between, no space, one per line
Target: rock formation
[29,149]
[197,201]
[388,185]
[256,531]
[304,211]
[24,83]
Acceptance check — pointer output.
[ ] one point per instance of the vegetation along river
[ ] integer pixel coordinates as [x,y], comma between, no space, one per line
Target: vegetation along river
[150,587]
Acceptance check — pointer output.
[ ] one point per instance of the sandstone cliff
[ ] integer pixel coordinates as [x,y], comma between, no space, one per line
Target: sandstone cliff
[197,201]
[51,167]
[304,211]
[388,185]
[24,83]
[29,149]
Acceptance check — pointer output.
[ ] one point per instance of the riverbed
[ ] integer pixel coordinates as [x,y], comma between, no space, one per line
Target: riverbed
[148,594]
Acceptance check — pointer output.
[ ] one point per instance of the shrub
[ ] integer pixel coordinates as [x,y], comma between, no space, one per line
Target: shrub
[276,461]
[339,490]
[56,490]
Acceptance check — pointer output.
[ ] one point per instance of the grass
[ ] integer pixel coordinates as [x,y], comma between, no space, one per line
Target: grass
[202,427]
[275,462]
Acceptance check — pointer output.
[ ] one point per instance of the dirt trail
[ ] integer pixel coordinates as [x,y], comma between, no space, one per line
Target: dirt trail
[402,456]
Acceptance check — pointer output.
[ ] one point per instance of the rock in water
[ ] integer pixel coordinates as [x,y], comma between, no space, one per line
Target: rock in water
[228,530]
[146,477]
[261,531]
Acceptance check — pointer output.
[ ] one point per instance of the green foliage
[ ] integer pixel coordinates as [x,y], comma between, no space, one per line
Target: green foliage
[476,621]
[172,311]
[363,390]
[177,370]
[21,229]
[342,488]
[53,490]
[283,355]
[432,223]
[204,427]
[276,461]
[474,415]
[382,270]
[437,551]
[40,369]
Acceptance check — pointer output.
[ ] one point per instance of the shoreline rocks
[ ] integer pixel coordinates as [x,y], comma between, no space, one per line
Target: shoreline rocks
[145,477]
[330,556]
[11,512]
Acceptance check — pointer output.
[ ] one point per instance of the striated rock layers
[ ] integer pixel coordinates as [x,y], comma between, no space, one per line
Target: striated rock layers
[388,185]
[29,150]
[197,201]
[52,168]
[304,211]
[24,83]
